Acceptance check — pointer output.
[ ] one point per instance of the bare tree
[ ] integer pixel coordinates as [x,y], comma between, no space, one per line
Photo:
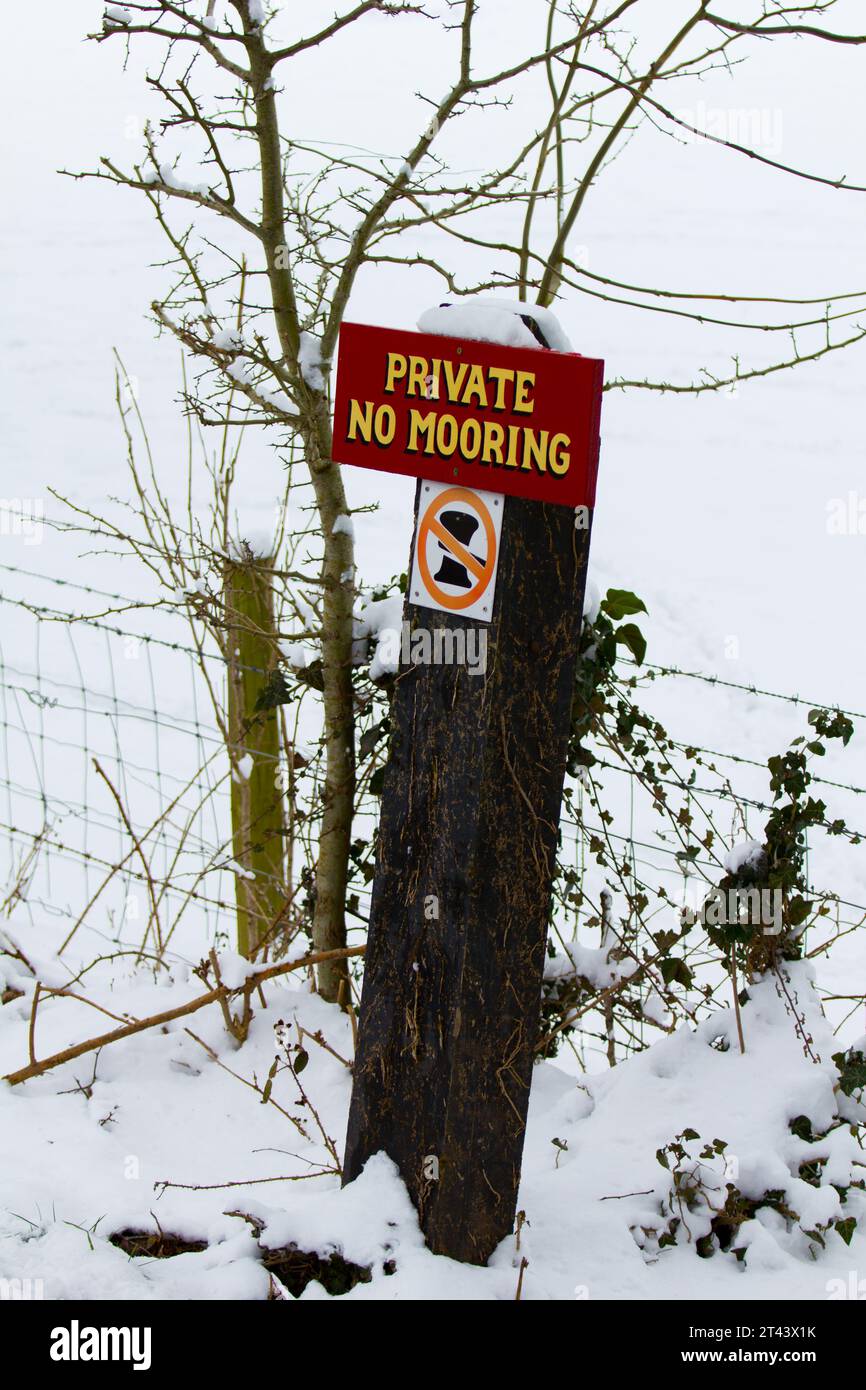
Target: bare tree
[258,305]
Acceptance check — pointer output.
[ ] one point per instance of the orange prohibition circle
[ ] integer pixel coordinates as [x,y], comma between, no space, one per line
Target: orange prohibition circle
[483,573]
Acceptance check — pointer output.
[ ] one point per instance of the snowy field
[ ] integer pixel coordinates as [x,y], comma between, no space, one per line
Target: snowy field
[713,508]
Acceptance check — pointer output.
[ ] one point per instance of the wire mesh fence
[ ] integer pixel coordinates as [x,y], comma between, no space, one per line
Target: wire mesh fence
[115,784]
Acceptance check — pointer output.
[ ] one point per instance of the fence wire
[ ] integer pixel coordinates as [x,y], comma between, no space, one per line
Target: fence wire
[115,790]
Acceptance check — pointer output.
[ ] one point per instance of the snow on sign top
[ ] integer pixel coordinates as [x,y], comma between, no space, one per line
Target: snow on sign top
[518,420]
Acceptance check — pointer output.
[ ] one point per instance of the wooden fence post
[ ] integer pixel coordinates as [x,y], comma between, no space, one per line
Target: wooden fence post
[257,801]
[461,901]
[473,787]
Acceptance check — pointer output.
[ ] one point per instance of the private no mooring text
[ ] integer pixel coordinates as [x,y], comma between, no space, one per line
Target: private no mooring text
[435,432]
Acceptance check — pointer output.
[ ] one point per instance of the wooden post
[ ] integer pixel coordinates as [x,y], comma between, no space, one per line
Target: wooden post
[461,900]
[257,802]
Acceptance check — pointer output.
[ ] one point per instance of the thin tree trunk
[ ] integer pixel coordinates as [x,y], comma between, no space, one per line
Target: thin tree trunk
[338,573]
[329,915]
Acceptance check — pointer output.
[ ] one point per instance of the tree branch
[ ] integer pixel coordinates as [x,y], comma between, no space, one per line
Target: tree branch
[213,996]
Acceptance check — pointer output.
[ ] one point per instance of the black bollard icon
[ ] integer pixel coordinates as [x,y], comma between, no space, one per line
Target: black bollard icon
[462,526]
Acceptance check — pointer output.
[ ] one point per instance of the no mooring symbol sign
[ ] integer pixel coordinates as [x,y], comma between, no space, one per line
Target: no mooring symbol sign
[456,550]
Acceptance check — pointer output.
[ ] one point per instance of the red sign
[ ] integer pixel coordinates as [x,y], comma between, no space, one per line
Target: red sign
[523,421]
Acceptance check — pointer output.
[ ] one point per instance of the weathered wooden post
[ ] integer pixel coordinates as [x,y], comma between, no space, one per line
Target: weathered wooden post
[472,792]
[257,801]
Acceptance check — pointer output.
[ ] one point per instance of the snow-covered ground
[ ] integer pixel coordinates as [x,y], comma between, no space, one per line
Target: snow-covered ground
[714,509]
[171,1137]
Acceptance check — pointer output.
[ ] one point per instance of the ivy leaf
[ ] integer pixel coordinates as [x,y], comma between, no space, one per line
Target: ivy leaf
[798,911]
[852,1071]
[618,603]
[801,1125]
[664,940]
[676,971]
[370,738]
[630,635]
[312,675]
[274,692]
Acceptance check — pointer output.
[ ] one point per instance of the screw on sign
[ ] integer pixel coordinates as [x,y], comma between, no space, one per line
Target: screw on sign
[473,785]
[456,550]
